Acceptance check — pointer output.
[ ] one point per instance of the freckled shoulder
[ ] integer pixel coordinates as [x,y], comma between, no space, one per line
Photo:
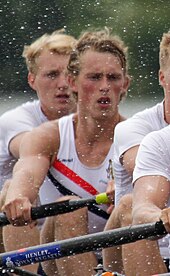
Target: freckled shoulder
[45,139]
[50,130]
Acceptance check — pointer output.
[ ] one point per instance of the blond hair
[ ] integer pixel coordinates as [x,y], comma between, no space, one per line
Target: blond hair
[164,52]
[100,41]
[57,42]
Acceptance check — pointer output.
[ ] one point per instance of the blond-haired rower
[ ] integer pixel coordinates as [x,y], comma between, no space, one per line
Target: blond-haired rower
[46,59]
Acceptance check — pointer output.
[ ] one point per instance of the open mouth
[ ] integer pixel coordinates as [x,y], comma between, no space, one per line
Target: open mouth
[62,96]
[104,100]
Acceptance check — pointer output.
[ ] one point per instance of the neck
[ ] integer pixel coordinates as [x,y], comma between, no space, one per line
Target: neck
[57,114]
[97,130]
[167,111]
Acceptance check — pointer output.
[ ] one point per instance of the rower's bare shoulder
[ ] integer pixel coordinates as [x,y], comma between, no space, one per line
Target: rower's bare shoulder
[48,129]
[43,138]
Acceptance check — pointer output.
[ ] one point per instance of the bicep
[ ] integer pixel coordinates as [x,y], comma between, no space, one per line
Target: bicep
[14,144]
[128,159]
[152,189]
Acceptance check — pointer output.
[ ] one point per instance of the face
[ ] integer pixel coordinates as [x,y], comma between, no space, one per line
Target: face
[100,84]
[51,86]
[164,79]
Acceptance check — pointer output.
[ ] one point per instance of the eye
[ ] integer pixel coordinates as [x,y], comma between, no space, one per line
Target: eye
[52,75]
[113,77]
[95,76]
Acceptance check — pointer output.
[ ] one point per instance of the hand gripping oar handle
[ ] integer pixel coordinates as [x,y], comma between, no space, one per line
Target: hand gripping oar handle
[81,244]
[62,207]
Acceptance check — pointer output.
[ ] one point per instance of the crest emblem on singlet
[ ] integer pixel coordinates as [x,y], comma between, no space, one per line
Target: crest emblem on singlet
[110,170]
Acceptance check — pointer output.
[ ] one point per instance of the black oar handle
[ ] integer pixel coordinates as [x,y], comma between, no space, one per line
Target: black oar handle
[159,228]
[81,244]
[62,207]
[3,220]
[53,209]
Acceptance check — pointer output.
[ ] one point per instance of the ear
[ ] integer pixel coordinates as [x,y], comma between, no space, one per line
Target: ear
[72,82]
[162,78]
[31,80]
[126,83]
[125,87]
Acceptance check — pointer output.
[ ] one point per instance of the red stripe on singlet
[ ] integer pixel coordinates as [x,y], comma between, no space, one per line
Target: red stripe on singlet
[74,177]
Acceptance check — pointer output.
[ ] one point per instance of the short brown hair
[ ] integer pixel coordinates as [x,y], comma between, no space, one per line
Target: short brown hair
[101,41]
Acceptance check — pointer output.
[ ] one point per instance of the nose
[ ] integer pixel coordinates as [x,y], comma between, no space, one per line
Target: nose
[105,85]
[62,82]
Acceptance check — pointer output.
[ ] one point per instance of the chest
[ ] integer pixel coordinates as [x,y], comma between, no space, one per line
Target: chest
[93,155]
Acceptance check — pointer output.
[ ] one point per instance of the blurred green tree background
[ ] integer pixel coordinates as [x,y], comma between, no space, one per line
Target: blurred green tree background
[140,24]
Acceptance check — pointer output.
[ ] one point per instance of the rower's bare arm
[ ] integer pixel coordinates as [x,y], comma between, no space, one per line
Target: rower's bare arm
[37,150]
[128,159]
[14,144]
[150,197]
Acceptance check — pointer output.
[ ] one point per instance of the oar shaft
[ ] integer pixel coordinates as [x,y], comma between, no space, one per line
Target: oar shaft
[51,209]
[57,208]
[81,244]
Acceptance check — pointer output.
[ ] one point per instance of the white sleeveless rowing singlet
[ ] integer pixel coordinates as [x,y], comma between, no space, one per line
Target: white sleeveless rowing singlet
[69,168]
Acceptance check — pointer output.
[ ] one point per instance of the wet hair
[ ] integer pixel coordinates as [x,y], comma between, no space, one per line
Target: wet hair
[57,42]
[164,52]
[101,41]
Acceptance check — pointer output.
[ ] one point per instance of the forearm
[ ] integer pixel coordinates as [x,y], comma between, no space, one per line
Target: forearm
[22,186]
[26,181]
[22,191]
[145,213]
[150,197]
